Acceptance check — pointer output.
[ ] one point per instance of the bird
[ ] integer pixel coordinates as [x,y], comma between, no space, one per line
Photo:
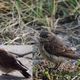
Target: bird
[53,49]
[9,63]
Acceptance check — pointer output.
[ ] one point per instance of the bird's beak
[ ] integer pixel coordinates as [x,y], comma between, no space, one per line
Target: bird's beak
[34,41]
[31,43]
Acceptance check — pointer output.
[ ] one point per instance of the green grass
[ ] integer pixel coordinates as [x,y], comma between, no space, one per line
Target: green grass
[44,11]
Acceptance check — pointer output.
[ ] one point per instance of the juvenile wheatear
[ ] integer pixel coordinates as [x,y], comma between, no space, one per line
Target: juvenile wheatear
[53,48]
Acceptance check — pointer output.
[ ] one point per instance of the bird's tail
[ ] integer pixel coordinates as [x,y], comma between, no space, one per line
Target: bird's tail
[25,74]
[69,53]
[71,56]
[23,69]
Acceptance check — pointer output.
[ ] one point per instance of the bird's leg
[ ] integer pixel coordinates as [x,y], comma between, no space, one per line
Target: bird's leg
[5,74]
[57,65]
[55,68]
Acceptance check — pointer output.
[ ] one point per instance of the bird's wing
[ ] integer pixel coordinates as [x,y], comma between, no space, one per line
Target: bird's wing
[13,62]
[59,47]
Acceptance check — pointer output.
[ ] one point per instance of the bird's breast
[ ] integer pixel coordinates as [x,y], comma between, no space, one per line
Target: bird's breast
[50,57]
[5,69]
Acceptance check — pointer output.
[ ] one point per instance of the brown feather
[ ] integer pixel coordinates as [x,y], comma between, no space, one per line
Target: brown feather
[9,63]
[54,46]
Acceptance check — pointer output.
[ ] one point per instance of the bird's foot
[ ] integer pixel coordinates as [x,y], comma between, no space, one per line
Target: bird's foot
[53,70]
[5,74]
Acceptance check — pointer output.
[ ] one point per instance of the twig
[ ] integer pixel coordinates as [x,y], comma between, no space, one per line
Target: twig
[21,55]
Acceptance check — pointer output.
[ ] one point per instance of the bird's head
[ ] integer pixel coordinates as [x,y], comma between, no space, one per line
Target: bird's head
[2,52]
[45,36]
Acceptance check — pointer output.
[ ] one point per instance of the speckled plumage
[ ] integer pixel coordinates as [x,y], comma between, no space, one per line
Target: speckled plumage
[53,48]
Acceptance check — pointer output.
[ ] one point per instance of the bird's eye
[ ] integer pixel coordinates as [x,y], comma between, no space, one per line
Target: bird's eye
[44,34]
